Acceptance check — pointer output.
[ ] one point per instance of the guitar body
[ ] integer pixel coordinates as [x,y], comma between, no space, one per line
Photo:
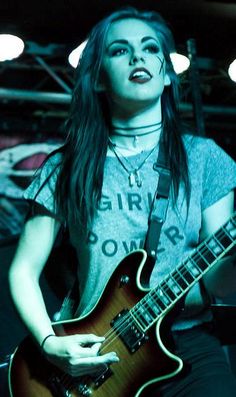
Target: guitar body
[31,375]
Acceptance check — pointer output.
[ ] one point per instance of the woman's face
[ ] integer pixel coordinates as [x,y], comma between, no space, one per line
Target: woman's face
[133,66]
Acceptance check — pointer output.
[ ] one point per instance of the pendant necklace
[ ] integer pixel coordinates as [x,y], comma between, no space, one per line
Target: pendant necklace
[134,175]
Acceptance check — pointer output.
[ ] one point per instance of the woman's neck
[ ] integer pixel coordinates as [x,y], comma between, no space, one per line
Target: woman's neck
[137,132]
[137,139]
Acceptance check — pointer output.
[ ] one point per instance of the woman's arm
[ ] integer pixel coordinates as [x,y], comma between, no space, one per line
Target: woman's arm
[33,250]
[75,354]
[220,281]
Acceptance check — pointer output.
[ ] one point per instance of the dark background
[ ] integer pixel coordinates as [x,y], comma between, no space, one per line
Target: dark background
[35,89]
[51,29]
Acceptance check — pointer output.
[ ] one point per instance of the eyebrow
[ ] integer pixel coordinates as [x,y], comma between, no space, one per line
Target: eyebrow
[124,41]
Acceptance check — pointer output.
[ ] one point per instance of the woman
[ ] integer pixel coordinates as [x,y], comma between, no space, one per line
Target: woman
[101,184]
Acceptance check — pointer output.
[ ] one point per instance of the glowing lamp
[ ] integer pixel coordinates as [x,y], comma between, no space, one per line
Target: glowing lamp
[232,70]
[76,54]
[10,47]
[180,62]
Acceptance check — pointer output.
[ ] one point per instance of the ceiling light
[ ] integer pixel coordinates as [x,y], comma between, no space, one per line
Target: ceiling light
[180,62]
[232,70]
[10,47]
[76,54]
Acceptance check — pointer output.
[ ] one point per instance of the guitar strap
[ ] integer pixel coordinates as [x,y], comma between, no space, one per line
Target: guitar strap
[157,214]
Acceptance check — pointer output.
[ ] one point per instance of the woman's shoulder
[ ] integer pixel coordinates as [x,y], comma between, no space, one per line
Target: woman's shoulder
[199,145]
[205,153]
[193,140]
[54,158]
[50,165]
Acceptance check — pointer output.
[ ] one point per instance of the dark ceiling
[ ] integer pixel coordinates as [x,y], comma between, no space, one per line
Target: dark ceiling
[35,89]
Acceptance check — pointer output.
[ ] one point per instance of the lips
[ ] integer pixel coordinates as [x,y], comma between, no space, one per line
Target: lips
[140,75]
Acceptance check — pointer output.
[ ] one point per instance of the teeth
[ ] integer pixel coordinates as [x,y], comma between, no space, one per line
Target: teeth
[140,73]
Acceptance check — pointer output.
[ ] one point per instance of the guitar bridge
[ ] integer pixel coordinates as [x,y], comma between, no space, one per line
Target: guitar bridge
[57,388]
[128,331]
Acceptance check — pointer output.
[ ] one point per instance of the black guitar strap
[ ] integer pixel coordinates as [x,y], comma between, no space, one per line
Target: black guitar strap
[157,214]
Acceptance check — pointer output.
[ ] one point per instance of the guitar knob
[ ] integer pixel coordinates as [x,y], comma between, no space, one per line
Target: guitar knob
[84,391]
[124,280]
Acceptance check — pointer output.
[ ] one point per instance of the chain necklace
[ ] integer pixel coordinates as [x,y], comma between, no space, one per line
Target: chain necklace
[134,175]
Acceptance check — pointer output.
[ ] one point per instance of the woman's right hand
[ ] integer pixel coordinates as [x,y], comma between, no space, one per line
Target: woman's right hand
[78,355]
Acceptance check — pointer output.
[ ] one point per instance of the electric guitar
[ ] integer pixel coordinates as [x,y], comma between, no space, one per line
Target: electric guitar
[132,318]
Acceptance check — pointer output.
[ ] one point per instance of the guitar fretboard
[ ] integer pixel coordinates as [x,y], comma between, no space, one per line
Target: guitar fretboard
[162,298]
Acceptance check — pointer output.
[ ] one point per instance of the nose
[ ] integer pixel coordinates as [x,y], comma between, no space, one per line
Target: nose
[135,58]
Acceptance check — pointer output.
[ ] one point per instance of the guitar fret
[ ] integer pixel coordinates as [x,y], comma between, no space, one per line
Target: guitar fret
[134,314]
[173,285]
[208,253]
[200,261]
[231,229]
[215,246]
[186,274]
[163,296]
[153,306]
[224,239]
[168,291]
[193,268]
[181,280]
[158,299]
[140,316]
[146,311]
[148,302]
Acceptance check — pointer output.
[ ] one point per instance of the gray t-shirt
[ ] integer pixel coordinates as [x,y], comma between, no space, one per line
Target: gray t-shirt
[121,222]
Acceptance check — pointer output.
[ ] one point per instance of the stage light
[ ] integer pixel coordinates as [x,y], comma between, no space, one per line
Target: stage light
[75,54]
[232,70]
[180,62]
[10,47]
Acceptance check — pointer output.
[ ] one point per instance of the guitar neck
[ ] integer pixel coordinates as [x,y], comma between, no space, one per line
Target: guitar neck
[172,288]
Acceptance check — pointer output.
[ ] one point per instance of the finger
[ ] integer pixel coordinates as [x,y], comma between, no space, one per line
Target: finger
[81,370]
[91,365]
[106,359]
[95,348]
[86,352]
[89,339]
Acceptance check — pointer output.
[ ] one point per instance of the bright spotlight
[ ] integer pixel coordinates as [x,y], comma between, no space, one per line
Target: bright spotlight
[10,47]
[76,54]
[180,62]
[232,70]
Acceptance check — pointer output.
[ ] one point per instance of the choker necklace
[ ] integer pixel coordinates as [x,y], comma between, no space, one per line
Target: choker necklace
[136,136]
[133,173]
[136,128]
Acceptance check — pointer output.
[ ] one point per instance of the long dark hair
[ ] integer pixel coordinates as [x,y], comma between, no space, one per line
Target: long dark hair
[80,179]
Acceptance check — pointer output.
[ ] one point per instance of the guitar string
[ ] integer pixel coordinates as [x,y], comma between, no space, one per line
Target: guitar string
[127,317]
[125,322]
[68,383]
[67,379]
[164,287]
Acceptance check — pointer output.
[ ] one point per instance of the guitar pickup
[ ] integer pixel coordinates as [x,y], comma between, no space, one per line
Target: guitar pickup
[99,380]
[128,331]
